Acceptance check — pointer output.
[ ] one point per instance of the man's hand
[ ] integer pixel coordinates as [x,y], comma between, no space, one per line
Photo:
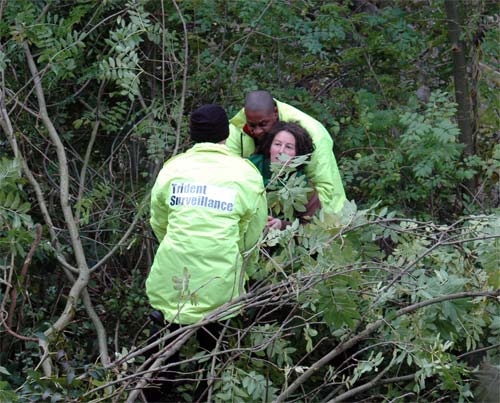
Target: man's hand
[273,222]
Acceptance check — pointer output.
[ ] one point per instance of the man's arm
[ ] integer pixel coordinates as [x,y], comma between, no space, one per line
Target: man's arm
[233,142]
[256,222]
[322,170]
[159,209]
[255,202]
[239,142]
[324,173]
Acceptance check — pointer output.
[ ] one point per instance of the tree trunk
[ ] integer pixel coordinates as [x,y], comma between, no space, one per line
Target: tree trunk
[464,115]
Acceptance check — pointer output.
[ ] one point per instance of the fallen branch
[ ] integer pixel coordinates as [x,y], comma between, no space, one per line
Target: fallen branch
[369,330]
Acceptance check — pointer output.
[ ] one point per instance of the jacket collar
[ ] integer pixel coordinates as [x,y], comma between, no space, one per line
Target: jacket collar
[210,147]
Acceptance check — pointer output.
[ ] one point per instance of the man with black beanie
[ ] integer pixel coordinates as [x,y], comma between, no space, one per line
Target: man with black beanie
[209,124]
[208,207]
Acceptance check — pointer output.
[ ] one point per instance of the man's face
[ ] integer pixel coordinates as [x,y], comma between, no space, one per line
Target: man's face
[260,122]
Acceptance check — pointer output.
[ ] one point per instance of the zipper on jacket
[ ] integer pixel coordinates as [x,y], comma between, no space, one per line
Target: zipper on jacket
[241,142]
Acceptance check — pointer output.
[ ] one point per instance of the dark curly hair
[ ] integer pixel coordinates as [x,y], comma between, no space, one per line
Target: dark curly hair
[303,141]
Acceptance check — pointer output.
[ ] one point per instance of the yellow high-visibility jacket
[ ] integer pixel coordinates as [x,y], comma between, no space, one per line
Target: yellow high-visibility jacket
[207,207]
[322,170]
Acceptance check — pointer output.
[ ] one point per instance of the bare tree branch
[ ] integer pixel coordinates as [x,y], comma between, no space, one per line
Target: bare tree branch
[83,270]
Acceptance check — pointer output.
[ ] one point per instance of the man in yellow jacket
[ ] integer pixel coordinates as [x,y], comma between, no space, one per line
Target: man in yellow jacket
[261,111]
[208,206]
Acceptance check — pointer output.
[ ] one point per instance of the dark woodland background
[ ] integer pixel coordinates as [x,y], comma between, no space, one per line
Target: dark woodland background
[396,298]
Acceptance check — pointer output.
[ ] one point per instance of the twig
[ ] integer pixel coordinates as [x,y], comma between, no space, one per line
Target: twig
[211,378]
[354,391]
[256,23]
[4,316]
[184,80]
[12,333]
[479,350]
[368,61]
[125,236]
[157,364]
[22,275]
[90,145]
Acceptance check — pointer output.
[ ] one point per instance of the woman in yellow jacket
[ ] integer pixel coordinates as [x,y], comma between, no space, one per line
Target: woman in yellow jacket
[208,206]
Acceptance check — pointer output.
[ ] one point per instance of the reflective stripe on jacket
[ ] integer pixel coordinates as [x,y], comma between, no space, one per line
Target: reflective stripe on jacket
[207,207]
[322,170]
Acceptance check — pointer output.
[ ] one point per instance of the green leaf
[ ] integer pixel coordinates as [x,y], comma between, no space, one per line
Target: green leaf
[4,371]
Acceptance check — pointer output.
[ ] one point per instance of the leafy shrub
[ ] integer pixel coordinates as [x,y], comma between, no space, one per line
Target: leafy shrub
[417,168]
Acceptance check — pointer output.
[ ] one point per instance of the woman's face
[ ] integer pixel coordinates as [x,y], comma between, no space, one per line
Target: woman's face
[283,143]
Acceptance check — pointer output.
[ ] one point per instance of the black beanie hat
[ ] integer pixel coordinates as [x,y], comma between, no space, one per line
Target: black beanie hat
[209,124]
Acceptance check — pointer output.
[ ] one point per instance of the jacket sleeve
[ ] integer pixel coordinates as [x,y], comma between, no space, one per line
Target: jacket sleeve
[159,209]
[239,142]
[233,141]
[255,219]
[325,175]
[322,170]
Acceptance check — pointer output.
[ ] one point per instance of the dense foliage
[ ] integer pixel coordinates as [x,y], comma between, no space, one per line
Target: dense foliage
[397,297]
